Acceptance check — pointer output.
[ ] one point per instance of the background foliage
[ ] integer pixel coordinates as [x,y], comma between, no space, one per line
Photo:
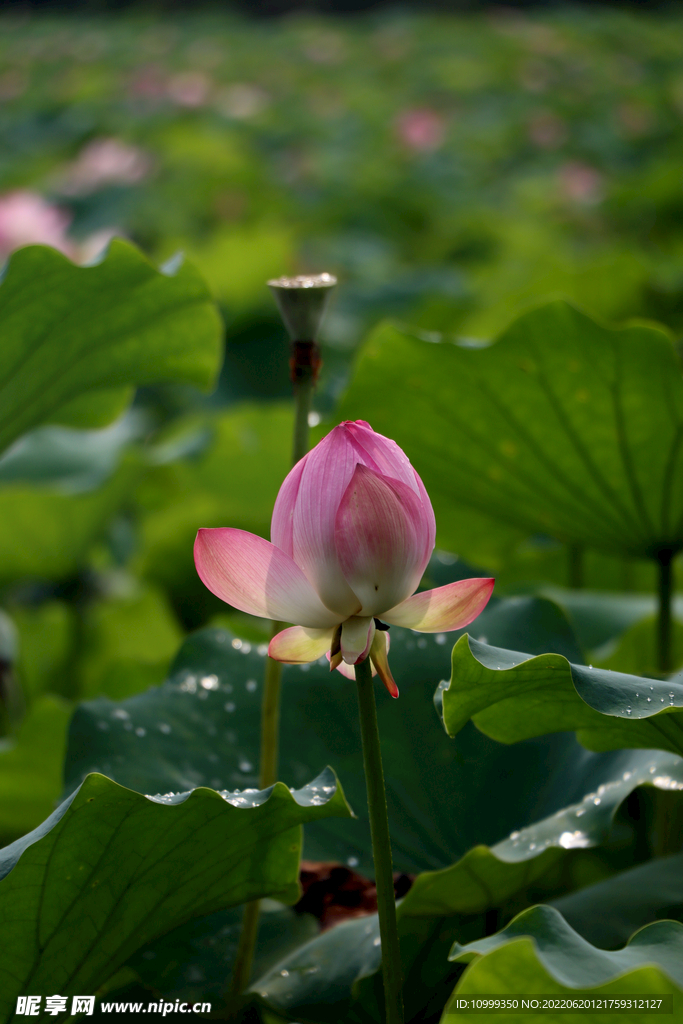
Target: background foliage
[453,171]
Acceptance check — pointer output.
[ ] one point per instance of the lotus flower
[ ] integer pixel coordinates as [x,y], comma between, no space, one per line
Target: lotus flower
[352,532]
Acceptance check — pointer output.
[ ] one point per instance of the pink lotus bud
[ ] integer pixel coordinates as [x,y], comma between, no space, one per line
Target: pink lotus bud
[354,514]
[352,532]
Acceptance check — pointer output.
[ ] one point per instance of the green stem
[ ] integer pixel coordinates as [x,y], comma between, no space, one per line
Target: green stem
[665,590]
[270,717]
[381,845]
[245,950]
[270,706]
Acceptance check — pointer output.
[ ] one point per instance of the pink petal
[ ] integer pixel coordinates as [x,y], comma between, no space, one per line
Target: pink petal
[324,477]
[380,662]
[282,522]
[298,646]
[380,543]
[380,453]
[356,638]
[253,575]
[443,609]
[428,522]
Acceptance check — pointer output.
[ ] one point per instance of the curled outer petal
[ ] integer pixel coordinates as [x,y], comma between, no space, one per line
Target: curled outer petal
[298,646]
[356,637]
[253,575]
[380,661]
[379,540]
[443,609]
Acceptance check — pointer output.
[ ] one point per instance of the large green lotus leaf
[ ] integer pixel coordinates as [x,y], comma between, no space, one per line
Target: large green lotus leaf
[336,972]
[158,741]
[635,651]
[46,534]
[335,975]
[193,962]
[111,870]
[588,821]
[619,629]
[123,633]
[562,427]
[95,408]
[67,330]
[66,459]
[511,696]
[538,952]
[598,618]
[31,766]
[237,263]
[46,633]
[608,912]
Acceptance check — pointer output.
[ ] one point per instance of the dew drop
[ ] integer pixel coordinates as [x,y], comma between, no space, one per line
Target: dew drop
[229,706]
[237,644]
[251,685]
[574,840]
[352,862]
[377,941]
[140,731]
[164,727]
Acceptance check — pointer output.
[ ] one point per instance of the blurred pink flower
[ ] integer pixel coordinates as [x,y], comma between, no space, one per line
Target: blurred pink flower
[105,162]
[581,183]
[148,83]
[422,129]
[26,218]
[547,130]
[241,100]
[189,88]
[352,533]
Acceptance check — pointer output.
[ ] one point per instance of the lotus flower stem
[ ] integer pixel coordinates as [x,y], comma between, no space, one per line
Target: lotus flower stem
[270,718]
[381,844]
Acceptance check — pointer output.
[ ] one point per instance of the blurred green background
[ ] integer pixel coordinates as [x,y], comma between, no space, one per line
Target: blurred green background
[451,169]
